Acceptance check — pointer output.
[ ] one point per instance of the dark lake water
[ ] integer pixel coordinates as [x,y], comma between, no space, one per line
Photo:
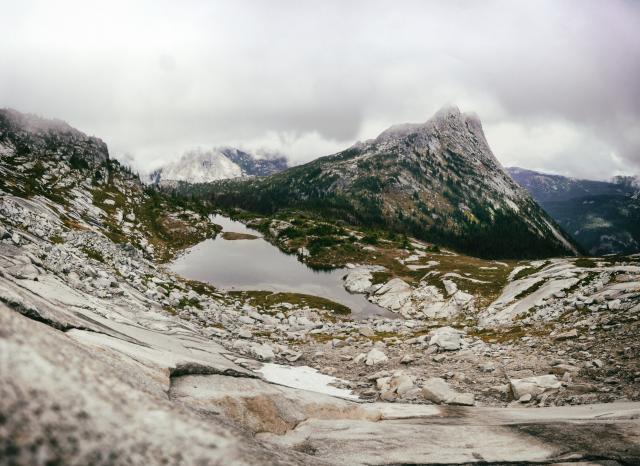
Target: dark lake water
[258,265]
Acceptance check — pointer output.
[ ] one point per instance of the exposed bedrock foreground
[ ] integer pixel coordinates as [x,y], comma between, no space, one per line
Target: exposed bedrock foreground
[85,384]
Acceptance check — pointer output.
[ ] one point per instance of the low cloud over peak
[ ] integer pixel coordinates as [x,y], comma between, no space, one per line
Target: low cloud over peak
[554,83]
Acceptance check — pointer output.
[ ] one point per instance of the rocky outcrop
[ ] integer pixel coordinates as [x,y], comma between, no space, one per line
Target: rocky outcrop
[358,280]
[557,286]
[422,301]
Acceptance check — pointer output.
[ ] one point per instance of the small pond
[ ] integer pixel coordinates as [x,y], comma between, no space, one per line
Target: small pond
[255,264]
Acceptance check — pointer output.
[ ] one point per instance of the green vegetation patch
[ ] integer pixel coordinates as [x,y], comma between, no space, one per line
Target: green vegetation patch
[232,236]
[200,287]
[533,288]
[57,239]
[267,299]
[530,271]
[509,335]
[184,302]
[584,262]
[584,281]
[93,254]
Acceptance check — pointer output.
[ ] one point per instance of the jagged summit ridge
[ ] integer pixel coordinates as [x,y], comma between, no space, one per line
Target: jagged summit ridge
[462,130]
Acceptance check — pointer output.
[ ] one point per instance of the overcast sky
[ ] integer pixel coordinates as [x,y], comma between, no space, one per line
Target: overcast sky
[555,83]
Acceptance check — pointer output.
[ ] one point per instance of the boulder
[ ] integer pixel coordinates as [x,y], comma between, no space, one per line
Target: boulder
[396,385]
[526,398]
[462,399]
[561,369]
[393,294]
[407,359]
[358,281]
[438,391]
[401,384]
[447,338]
[366,332]
[375,356]
[573,333]
[533,385]
[359,358]
[263,352]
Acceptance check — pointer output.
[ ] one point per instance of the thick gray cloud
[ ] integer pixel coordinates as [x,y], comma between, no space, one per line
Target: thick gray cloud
[554,82]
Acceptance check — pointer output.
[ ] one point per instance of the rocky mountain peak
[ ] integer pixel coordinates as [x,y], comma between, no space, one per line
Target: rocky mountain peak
[437,181]
[24,133]
[450,129]
[34,123]
[219,163]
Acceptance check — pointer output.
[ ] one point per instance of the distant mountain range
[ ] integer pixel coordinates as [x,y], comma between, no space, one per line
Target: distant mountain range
[202,166]
[437,181]
[603,217]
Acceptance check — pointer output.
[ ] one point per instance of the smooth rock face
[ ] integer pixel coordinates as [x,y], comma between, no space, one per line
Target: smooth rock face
[90,406]
[533,385]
